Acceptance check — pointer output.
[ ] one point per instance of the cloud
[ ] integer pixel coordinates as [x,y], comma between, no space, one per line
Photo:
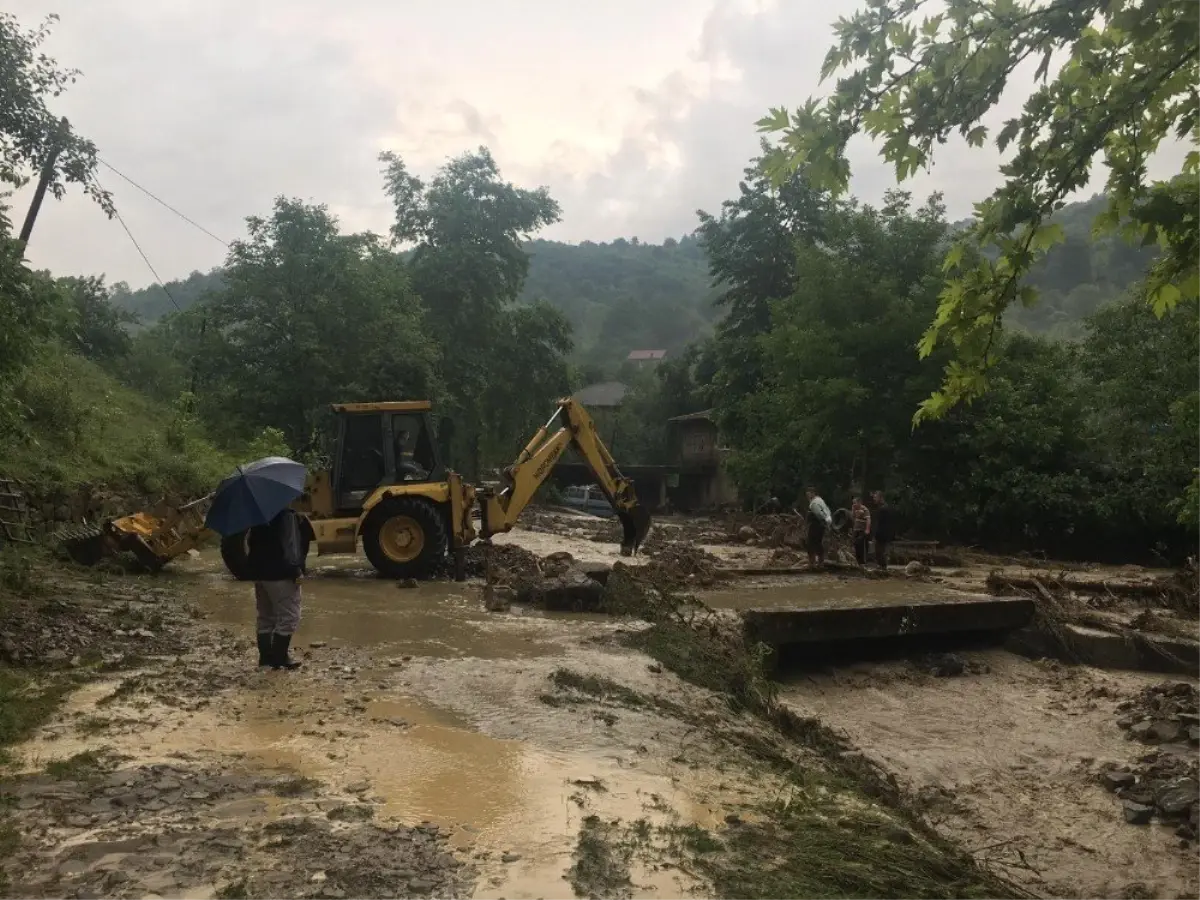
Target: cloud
[634,114]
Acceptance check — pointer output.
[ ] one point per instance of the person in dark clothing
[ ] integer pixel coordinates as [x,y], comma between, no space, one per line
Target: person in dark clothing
[883,529]
[276,559]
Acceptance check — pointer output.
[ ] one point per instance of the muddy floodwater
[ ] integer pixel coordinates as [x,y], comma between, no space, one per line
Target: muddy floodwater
[485,745]
[422,702]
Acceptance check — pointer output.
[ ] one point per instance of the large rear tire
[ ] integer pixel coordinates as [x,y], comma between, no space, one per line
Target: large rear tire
[235,553]
[405,537]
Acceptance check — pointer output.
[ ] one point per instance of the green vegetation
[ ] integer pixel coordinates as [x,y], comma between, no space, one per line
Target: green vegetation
[26,701]
[1124,87]
[793,312]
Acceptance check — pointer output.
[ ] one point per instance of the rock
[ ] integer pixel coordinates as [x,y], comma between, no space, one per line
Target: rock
[1141,730]
[408,583]
[318,878]
[509,857]
[1114,780]
[420,886]
[746,533]
[1175,799]
[1194,734]
[359,787]
[1137,813]
[317,645]
[56,655]
[558,563]
[915,568]
[1166,732]
[1126,722]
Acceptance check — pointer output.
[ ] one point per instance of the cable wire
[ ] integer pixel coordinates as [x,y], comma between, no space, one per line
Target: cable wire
[146,260]
[164,203]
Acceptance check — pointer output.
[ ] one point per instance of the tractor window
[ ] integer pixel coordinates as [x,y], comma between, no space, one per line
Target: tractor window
[362,454]
[413,446]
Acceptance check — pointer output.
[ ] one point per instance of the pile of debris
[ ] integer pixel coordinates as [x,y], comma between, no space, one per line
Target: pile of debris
[1163,713]
[510,563]
[1165,783]
[681,563]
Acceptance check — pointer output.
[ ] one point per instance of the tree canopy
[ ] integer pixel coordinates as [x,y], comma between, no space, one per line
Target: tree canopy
[29,133]
[1125,86]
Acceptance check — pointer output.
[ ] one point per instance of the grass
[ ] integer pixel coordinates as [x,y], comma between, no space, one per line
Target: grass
[599,688]
[296,787]
[27,701]
[83,426]
[80,766]
[601,860]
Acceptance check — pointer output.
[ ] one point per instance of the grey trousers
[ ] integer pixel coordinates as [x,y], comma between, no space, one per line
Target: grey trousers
[278,605]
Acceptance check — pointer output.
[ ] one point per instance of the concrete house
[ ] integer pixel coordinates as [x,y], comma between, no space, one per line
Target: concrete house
[699,457]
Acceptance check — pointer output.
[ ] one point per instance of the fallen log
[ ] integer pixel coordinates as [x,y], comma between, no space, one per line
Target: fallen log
[999,583]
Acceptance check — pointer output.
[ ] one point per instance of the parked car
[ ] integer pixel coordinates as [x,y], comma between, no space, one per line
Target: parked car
[589,499]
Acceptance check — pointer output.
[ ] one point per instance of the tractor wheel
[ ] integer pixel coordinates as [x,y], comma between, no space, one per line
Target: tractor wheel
[405,537]
[236,555]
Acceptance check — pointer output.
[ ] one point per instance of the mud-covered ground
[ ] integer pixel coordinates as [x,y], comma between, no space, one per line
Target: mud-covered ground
[429,747]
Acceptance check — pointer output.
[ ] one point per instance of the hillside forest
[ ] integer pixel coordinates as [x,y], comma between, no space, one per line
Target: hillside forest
[793,312]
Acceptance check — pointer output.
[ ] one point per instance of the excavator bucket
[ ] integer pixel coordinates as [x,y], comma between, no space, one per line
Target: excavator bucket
[635,525]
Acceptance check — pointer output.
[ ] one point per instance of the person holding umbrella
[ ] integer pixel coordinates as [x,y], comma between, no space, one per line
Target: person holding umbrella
[256,499]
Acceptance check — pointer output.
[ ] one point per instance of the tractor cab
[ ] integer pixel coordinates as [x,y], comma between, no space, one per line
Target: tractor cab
[380,444]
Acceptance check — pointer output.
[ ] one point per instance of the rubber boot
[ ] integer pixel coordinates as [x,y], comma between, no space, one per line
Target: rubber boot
[280,650]
[265,649]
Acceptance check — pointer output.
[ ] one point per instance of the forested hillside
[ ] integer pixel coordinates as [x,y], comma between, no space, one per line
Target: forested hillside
[617,296]
[625,295]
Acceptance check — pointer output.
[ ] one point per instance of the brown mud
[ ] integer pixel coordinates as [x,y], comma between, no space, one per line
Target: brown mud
[429,747]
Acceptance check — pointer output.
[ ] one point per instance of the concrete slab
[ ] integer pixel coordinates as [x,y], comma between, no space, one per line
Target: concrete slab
[965,613]
[1135,651]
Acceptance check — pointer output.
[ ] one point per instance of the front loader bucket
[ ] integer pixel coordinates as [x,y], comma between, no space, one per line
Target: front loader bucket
[635,525]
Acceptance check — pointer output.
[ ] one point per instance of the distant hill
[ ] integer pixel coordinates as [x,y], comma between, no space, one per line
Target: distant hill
[626,295]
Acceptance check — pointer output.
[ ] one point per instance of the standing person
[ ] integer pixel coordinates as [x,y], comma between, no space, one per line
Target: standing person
[882,529]
[276,555]
[861,518]
[819,518]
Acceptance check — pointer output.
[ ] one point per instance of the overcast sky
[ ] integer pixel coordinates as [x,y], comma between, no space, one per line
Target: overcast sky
[633,112]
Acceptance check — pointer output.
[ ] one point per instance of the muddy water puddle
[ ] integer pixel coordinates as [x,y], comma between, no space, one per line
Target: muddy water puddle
[827,591]
[345,604]
[512,800]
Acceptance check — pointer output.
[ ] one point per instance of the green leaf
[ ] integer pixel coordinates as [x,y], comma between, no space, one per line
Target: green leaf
[1164,298]
[1047,236]
[953,257]
[977,136]
[775,120]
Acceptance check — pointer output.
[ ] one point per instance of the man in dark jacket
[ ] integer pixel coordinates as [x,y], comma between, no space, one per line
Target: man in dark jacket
[276,555]
[883,529]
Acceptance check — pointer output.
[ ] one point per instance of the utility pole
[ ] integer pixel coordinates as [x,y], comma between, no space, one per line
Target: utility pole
[44,179]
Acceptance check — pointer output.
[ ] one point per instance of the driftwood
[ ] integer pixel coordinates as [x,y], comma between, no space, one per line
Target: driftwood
[998,582]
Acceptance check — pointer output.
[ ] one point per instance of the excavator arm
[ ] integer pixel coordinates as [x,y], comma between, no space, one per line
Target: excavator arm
[521,480]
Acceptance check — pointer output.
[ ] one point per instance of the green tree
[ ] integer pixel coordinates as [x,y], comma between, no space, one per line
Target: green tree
[309,317]
[468,266]
[838,371]
[29,132]
[98,329]
[1126,85]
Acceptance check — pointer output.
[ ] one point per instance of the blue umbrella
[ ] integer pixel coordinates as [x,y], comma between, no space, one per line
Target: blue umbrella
[255,494]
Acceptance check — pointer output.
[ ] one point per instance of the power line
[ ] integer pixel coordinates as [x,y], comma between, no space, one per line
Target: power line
[164,203]
[146,260]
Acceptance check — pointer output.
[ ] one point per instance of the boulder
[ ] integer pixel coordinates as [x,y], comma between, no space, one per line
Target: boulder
[1138,813]
[1174,799]
[1114,779]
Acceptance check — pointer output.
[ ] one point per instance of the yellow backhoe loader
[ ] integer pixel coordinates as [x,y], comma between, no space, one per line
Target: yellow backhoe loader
[389,488]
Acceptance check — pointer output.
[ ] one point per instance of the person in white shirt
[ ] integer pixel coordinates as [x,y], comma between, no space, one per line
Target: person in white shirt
[819,518]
